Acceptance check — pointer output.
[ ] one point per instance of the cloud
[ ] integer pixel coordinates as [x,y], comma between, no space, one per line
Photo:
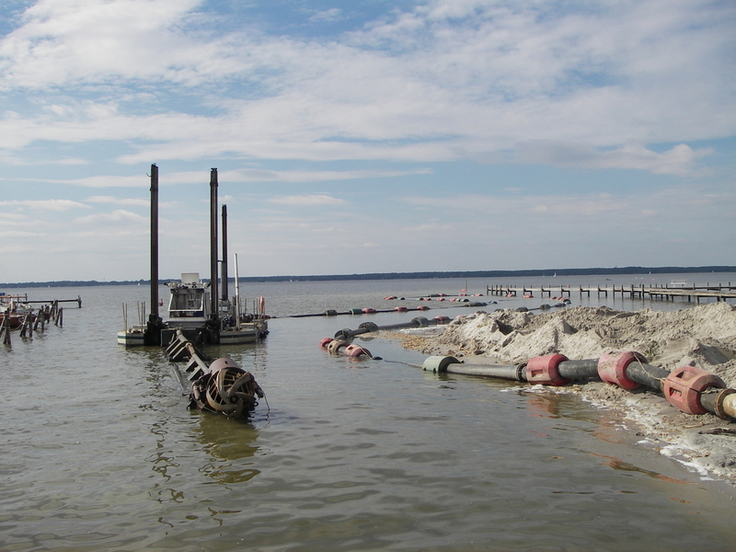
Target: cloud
[105,181]
[119,201]
[552,206]
[308,200]
[680,160]
[333,14]
[62,42]
[118,216]
[440,81]
[45,204]
[9,234]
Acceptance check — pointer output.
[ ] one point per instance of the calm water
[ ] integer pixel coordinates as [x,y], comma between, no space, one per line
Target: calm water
[98,451]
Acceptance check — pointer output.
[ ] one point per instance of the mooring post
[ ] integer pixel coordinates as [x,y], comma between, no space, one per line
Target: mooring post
[5,328]
[152,334]
[225,291]
[214,296]
[154,243]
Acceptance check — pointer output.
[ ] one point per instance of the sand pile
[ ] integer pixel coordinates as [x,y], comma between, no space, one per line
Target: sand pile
[703,336]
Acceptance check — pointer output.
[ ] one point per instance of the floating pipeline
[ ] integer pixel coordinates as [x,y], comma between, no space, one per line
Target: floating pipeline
[370,310]
[219,386]
[465,303]
[689,389]
[369,327]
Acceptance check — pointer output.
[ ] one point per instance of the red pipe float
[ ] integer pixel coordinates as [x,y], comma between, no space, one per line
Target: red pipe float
[684,386]
[612,368]
[342,347]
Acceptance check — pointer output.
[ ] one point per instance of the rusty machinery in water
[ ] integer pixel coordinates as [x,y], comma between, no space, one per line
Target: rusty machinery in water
[218,385]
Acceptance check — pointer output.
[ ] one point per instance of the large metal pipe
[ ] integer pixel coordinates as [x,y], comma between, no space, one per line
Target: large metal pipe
[223,278]
[213,244]
[486,370]
[721,402]
[648,375]
[452,365]
[578,369]
[154,242]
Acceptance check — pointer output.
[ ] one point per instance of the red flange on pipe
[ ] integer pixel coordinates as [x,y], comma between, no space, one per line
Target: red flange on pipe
[683,387]
[544,370]
[612,368]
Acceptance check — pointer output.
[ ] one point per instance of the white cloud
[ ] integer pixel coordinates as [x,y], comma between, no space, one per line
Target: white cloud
[445,81]
[118,216]
[308,200]
[65,41]
[107,181]
[680,160]
[462,104]
[333,14]
[119,201]
[45,204]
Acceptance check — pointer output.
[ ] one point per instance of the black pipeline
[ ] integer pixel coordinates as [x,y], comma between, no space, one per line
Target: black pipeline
[687,388]
[368,327]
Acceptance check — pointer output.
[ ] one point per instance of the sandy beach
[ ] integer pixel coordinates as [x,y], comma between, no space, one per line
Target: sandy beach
[702,336]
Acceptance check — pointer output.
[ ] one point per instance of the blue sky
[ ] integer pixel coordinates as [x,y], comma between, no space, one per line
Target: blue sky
[366,136]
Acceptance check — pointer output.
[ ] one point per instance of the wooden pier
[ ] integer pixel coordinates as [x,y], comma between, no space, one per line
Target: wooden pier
[664,292]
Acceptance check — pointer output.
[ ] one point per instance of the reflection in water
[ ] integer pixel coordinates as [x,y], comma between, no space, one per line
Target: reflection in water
[620,465]
[543,405]
[228,443]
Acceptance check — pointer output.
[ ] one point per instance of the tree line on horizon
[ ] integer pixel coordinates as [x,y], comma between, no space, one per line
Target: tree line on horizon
[408,275]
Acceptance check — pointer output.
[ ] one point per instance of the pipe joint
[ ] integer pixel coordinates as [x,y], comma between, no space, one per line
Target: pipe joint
[725,404]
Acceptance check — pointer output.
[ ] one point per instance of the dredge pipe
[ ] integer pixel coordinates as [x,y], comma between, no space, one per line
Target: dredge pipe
[490,371]
[647,375]
[578,369]
[722,403]
[368,327]
[448,364]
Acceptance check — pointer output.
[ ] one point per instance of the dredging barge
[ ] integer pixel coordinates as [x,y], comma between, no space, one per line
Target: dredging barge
[195,307]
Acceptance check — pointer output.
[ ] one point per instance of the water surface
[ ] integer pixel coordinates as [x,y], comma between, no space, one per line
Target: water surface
[98,451]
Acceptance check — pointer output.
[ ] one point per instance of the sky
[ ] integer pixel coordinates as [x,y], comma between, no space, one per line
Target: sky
[366,136]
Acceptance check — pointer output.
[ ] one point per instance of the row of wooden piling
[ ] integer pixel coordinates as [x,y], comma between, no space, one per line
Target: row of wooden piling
[47,314]
[718,292]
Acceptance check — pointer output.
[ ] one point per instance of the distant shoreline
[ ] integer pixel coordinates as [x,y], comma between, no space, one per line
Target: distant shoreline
[408,275]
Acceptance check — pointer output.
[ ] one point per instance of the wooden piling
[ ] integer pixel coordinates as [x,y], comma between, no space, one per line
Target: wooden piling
[5,328]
